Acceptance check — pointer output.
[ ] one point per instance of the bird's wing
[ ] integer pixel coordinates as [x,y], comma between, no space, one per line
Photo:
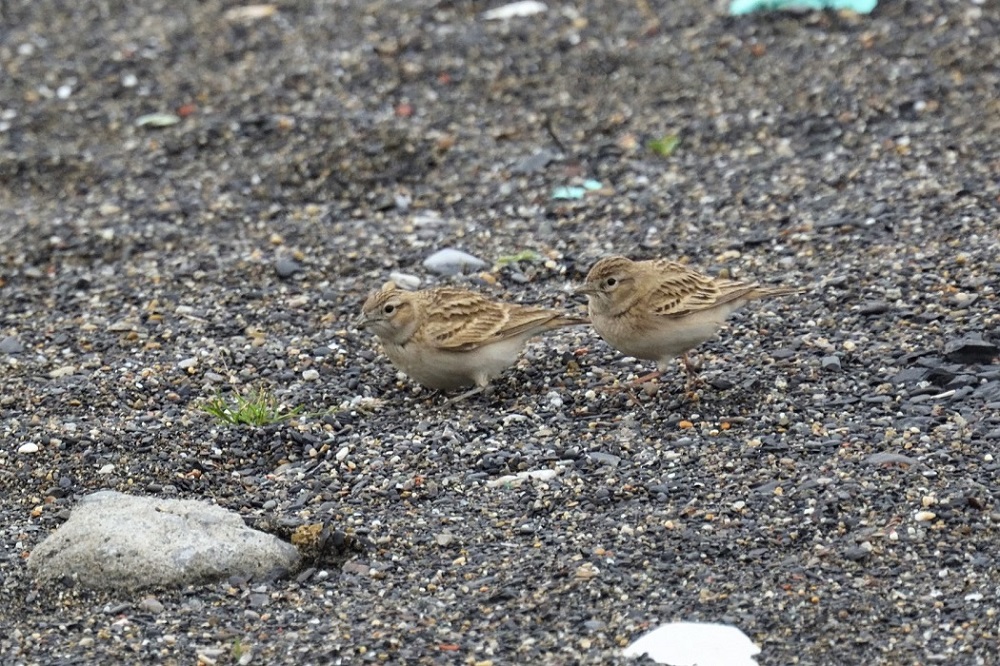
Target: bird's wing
[460,320]
[679,291]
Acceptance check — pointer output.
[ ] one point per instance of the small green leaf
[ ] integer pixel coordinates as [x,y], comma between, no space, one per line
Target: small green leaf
[665,145]
[524,255]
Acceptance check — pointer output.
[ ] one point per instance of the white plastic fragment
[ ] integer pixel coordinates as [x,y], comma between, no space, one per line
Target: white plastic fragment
[695,644]
[515,10]
[521,477]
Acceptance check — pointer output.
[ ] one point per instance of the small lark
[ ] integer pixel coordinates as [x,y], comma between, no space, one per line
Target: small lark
[447,338]
[661,309]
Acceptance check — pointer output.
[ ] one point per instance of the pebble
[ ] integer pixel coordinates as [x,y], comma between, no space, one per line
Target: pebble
[286,267]
[450,261]
[310,375]
[30,447]
[831,363]
[151,605]
[970,349]
[187,363]
[11,345]
[405,280]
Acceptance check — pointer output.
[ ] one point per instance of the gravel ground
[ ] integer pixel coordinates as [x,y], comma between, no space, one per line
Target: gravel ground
[833,493]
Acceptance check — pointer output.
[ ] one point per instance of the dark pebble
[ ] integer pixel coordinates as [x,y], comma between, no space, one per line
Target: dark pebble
[970,349]
[286,267]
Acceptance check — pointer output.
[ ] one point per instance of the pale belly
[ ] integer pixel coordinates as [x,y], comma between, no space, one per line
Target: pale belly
[660,339]
[447,370]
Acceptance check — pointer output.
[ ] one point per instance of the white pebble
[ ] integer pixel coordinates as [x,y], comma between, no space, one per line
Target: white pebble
[342,453]
[187,363]
[310,375]
[107,469]
[30,447]
[924,516]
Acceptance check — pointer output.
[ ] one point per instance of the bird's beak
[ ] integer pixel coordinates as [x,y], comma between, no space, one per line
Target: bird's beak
[361,321]
[584,290]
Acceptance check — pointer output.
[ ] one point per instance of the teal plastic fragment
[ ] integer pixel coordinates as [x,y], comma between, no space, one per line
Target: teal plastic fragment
[592,184]
[568,193]
[737,7]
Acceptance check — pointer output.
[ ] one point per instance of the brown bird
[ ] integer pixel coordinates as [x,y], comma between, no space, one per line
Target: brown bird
[447,338]
[660,309]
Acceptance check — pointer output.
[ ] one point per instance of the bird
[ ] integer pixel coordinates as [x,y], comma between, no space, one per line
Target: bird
[659,309]
[448,338]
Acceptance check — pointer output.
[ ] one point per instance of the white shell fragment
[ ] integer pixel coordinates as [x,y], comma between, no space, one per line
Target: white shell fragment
[515,10]
[695,644]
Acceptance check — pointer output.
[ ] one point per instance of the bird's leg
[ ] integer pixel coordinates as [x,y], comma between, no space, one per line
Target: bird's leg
[462,396]
[693,380]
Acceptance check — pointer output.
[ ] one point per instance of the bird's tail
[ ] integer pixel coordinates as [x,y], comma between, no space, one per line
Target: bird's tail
[767,292]
[568,320]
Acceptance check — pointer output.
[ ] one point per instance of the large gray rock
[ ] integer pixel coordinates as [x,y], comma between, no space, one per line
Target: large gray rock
[117,541]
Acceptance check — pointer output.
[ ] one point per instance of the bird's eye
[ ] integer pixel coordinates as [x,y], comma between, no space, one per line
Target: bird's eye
[389,308]
[610,282]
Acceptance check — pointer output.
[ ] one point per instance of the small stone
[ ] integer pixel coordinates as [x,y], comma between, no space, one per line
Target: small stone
[310,375]
[535,163]
[450,261]
[405,280]
[11,345]
[604,458]
[355,567]
[62,372]
[856,553]
[151,605]
[888,458]
[286,267]
[924,516]
[187,363]
[971,350]
[875,308]
[911,375]
[831,363]
[444,539]
[30,447]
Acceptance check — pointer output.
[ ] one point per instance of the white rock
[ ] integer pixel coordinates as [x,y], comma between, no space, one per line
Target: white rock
[521,477]
[30,447]
[695,644]
[310,375]
[120,542]
[405,280]
[516,10]
[450,261]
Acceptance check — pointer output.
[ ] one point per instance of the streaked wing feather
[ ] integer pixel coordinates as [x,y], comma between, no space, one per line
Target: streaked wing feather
[459,320]
[681,291]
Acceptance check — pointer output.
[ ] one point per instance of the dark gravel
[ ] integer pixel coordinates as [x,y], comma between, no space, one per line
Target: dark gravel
[833,493]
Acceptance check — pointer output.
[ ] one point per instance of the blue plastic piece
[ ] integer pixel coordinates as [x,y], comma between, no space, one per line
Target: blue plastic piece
[737,7]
